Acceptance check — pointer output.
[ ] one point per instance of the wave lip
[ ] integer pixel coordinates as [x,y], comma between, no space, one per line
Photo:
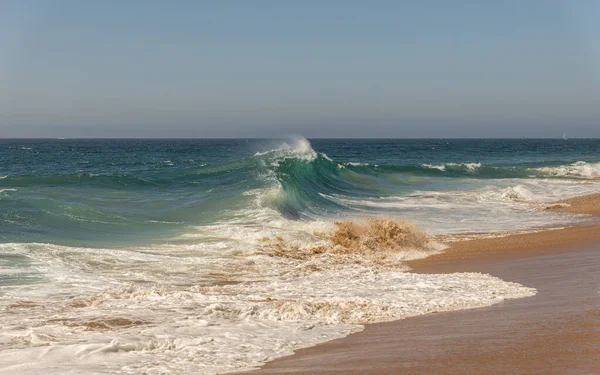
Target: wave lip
[300,175]
[296,147]
[307,180]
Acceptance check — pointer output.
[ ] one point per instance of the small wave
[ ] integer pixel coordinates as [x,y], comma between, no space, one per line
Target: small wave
[517,193]
[455,167]
[165,222]
[578,169]
[470,167]
[357,164]
[432,166]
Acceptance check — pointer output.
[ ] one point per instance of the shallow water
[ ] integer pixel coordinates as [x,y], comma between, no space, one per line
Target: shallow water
[555,332]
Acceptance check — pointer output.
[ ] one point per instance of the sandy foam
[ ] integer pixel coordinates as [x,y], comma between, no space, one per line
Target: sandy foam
[155,311]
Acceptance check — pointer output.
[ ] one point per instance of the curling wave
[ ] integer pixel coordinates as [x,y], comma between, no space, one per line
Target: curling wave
[308,183]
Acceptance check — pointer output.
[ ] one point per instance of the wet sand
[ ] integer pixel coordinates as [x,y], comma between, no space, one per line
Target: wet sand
[465,255]
[555,332]
[588,204]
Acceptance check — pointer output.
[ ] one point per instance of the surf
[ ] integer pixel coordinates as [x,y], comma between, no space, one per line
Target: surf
[168,258]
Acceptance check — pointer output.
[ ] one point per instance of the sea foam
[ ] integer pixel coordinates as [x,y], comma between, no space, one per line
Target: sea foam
[579,169]
[220,328]
[226,304]
[251,284]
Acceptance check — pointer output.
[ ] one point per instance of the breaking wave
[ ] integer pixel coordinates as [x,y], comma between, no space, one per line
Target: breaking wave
[578,169]
[292,248]
[379,237]
[307,181]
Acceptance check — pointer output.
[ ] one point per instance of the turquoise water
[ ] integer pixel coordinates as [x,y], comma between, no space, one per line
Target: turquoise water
[149,256]
[124,192]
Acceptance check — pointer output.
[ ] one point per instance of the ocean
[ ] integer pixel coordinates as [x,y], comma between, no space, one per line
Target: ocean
[206,256]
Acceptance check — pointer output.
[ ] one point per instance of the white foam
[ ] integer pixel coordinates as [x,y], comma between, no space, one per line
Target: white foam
[471,167]
[296,147]
[439,167]
[357,164]
[514,204]
[184,321]
[208,329]
[579,169]
[170,308]
[468,167]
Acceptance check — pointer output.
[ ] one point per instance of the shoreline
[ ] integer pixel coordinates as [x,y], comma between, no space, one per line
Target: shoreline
[497,256]
[517,245]
[585,204]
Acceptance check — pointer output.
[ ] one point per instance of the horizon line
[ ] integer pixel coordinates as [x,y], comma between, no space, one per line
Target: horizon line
[283,137]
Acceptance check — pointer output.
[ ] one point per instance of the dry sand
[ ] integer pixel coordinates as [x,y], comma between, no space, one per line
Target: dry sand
[555,332]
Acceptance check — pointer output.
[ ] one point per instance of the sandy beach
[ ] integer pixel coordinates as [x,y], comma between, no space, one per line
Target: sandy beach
[555,332]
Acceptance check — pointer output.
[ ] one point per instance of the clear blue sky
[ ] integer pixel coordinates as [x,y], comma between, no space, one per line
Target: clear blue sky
[315,68]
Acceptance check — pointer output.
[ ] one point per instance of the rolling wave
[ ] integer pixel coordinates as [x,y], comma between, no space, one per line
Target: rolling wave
[183,261]
[307,181]
[293,180]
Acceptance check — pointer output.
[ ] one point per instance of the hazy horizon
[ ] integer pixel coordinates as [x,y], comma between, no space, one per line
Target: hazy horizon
[284,138]
[264,70]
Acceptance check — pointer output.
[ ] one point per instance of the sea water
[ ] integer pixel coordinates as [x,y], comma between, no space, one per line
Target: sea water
[151,256]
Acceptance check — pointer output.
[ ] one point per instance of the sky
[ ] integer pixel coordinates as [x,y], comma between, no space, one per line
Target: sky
[315,68]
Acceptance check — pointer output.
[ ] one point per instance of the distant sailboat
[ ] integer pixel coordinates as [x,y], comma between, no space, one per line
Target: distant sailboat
[565,136]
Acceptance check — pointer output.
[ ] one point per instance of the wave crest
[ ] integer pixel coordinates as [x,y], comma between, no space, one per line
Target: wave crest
[455,167]
[296,147]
